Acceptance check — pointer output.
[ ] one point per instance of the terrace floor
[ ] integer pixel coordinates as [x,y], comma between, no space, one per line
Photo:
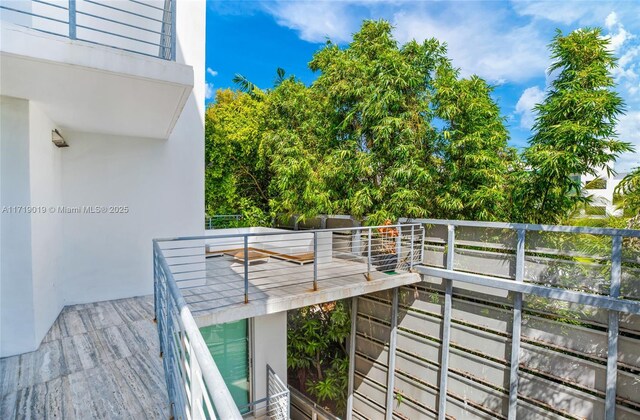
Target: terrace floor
[279,285]
[98,360]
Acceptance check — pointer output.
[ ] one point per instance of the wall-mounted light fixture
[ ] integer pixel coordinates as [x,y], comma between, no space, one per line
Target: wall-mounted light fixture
[57,138]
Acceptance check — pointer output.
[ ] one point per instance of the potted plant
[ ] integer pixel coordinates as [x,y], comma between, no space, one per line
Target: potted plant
[385,257]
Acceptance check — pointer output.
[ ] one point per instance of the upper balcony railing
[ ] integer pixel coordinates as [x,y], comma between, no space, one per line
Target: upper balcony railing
[231,269]
[221,221]
[144,27]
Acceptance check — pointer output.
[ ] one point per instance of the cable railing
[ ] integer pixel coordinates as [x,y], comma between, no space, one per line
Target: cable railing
[221,221]
[195,386]
[144,27]
[275,405]
[192,274]
[242,265]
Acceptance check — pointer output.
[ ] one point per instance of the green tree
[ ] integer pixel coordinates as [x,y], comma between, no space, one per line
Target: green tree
[629,190]
[476,161]
[378,155]
[234,180]
[316,350]
[294,128]
[574,132]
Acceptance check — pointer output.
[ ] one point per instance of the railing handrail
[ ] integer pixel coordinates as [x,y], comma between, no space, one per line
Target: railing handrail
[73,22]
[633,233]
[220,395]
[283,232]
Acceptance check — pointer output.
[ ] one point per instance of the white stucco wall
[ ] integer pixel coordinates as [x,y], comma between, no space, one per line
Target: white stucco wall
[108,256]
[603,197]
[51,260]
[17,327]
[46,228]
[269,347]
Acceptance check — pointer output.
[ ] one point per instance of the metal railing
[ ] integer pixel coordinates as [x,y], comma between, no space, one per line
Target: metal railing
[146,27]
[278,397]
[275,405]
[587,266]
[255,264]
[195,386]
[221,221]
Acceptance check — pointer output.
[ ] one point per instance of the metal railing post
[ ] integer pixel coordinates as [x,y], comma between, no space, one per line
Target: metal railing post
[369,254]
[612,333]
[72,19]
[516,329]
[173,30]
[398,245]
[391,362]
[446,326]
[155,286]
[352,355]
[411,256]
[315,261]
[422,244]
[246,269]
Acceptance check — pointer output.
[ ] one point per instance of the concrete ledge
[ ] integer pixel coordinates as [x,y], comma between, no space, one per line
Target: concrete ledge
[91,88]
[300,300]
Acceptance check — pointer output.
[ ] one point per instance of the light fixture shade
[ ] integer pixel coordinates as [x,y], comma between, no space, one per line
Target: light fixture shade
[57,138]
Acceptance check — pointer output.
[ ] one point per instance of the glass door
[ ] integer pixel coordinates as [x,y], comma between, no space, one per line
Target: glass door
[229,346]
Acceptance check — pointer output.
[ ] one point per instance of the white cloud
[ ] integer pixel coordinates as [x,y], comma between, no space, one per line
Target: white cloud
[208,90]
[479,42]
[529,98]
[315,21]
[212,72]
[618,35]
[626,46]
[503,42]
[629,130]
[611,20]
[564,11]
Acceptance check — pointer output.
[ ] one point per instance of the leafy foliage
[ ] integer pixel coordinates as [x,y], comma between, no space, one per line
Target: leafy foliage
[379,152]
[363,138]
[629,190]
[474,182]
[391,131]
[234,180]
[317,354]
[574,132]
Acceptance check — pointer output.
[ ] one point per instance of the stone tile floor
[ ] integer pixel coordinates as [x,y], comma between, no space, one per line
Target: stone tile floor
[98,361]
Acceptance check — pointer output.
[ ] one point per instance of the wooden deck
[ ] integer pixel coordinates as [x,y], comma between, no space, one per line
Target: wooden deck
[98,361]
[279,285]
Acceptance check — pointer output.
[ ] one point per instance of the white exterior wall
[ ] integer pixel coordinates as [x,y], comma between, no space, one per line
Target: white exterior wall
[269,347]
[45,166]
[603,197]
[51,260]
[17,327]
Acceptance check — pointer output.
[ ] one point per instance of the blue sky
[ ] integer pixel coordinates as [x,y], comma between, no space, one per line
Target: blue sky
[505,42]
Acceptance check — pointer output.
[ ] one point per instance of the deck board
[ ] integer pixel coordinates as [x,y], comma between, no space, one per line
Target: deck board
[98,360]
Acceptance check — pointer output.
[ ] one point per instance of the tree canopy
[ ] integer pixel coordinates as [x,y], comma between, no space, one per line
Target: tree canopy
[574,132]
[389,130]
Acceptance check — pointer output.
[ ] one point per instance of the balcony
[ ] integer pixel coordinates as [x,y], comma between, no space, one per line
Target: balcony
[532,321]
[81,60]
[235,274]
